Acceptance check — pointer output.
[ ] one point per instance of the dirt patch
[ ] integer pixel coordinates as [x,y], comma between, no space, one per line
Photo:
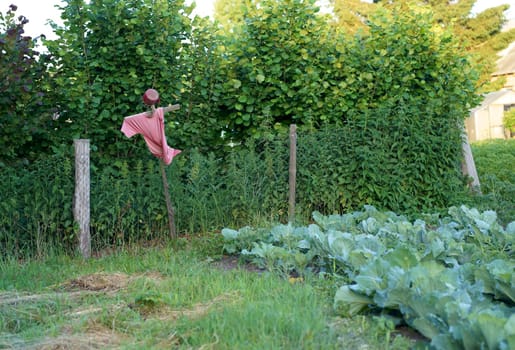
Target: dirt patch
[153,275]
[98,282]
[94,337]
[78,287]
[410,333]
[230,262]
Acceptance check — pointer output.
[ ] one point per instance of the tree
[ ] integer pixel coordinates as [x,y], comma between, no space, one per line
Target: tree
[203,88]
[480,35]
[509,121]
[410,87]
[229,13]
[277,62]
[22,73]
[108,52]
[352,15]
[484,38]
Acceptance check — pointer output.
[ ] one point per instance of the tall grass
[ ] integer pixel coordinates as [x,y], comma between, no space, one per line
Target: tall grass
[36,207]
[127,200]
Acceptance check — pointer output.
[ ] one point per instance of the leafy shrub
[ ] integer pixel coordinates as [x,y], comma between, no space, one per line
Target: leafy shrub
[495,162]
[342,169]
[509,120]
[127,201]
[337,171]
[22,78]
[95,86]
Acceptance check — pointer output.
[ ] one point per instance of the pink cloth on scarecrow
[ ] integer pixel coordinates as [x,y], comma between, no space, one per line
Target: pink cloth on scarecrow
[153,131]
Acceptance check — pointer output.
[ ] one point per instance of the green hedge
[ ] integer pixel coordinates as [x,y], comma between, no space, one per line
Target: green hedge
[338,170]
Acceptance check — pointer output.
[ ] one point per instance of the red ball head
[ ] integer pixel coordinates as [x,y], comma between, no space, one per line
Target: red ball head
[150,97]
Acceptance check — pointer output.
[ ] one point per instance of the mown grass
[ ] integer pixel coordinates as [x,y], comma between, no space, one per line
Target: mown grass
[172,297]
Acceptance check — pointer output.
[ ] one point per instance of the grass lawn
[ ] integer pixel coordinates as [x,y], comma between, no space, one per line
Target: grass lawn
[174,298]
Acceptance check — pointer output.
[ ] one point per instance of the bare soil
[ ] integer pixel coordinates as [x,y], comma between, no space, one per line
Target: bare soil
[230,262]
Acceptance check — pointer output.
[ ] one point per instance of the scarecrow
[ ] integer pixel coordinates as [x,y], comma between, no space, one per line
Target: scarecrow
[151,126]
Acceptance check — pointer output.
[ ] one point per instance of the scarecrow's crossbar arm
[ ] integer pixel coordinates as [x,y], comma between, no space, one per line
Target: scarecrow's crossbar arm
[168,108]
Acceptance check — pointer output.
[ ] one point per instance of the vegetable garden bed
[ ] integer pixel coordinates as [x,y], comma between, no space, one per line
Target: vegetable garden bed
[450,278]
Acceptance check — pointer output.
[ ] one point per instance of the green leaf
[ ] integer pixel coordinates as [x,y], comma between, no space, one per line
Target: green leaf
[509,327]
[349,303]
[430,326]
[229,234]
[236,83]
[401,257]
[373,276]
[492,328]
[340,244]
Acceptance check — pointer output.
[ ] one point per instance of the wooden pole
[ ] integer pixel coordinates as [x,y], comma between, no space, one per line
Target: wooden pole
[292,172]
[469,166]
[81,201]
[169,207]
[168,108]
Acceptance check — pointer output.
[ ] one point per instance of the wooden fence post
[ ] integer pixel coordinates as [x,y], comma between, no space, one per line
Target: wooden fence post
[292,172]
[81,205]
[469,166]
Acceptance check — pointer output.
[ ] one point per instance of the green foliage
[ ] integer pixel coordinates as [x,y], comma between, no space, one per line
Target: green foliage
[509,120]
[107,54]
[484,37]
[201,92]
[481,34]
[342,169]
[406,63]
[250,186]
[393,102]
[495,162]
[22,76]
[283,64]
[451,278]
[350,14]
[278,62]
[399,93]
[405,126]
[127,203]
[495,157]
[283,71]
[230,13]
[36,206]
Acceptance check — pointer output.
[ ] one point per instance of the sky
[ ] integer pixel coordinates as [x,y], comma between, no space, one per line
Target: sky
[38,15]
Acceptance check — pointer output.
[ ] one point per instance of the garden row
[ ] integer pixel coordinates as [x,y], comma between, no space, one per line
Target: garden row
[452,277]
